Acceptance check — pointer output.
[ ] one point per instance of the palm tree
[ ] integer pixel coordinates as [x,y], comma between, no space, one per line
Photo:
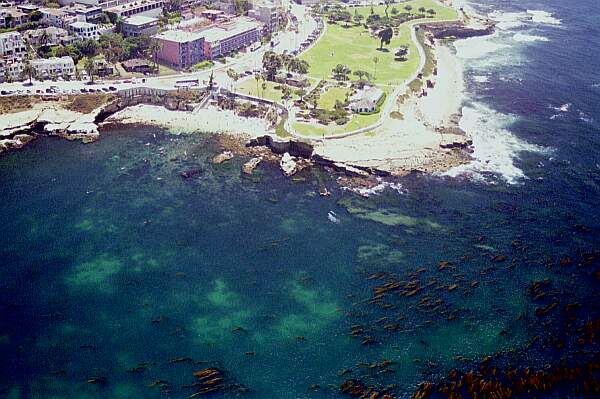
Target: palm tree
[385,35]
[28,71]
[233,75]
[375,61]
[153,49]
[90,68]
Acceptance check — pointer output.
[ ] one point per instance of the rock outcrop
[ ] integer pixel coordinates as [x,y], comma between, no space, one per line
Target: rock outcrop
[222,157]
[288,165]
[249,166]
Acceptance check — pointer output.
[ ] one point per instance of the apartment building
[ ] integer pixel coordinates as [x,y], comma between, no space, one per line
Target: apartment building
[181,49]
[225,38]
[11,17]
[54,67]
[267,14]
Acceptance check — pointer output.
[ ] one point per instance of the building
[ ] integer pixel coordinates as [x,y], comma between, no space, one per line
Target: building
[181,49]
[84,13]
[11,17]
[54,67]
[57,17]
[150,8]
[12,46]
[136,65]
[267,14]
[56,36]
[140,25]
[225,38]
[86,30]
[366,100]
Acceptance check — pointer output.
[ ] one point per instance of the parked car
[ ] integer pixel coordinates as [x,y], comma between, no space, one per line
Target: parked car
[112,88]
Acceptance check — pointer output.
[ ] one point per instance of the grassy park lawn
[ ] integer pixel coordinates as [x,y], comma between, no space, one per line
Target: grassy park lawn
[355,47]
[318,130]
[328,99]
[249,86]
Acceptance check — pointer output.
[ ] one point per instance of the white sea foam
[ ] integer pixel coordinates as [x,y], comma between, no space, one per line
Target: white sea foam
[508,20]
[495,147]
[523,37]
[481,78]
[377,189]
[543,17]
[562,108]
[476,47]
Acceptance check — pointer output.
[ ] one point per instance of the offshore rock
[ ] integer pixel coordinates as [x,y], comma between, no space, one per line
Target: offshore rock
[222,157]
[249,166]
[288,165]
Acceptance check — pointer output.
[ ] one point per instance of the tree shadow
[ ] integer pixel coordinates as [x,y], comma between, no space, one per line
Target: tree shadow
[383,50]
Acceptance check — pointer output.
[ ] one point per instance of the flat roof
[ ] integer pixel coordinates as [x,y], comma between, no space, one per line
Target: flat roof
[179,36]
[140,20]
[221,32]
[133,5]
[81,24]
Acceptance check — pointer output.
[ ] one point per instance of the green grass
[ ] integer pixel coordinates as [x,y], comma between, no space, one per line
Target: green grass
[328,99]
[317,130]
[207,64]
[248,86]
[356,48]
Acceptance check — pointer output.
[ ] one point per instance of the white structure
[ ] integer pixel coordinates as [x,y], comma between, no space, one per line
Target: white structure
[84,30]
[366,99]
[56,36]
[56,17]
[54,67]
[12,51]
[12,45]
[140,25]
[267,14]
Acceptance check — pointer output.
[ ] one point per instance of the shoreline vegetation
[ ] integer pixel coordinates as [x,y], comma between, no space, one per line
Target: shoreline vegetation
[417,132]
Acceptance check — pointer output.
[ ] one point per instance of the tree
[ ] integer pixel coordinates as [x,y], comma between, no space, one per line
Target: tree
[387,5]
[298,66]
[241,7]
[90,68]
[211,82]
[257,77]
[361,74]
[7,76]
[271,64]
[422,10]
[35,16]
[233,75]
[301,92]
[119,22]
[340,72]
[314,101]
[28,71]
[394,11]
[346,17]
[153,49]
[8,20]
[358,17]
[408,7]
[375,61]
[431,11]
[88,47]
[385,36]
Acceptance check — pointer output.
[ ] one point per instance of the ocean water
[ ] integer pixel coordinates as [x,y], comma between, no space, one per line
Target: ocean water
[120,278]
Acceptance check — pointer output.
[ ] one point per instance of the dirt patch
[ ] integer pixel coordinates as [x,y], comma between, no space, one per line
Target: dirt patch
[13,104]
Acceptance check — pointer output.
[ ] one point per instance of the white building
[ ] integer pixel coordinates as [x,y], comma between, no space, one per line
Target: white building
[56,17]
[140,25]
[366,100]
[56,36]
[12,45]
[54,67]
[267,14]
[84,30]
[149,8]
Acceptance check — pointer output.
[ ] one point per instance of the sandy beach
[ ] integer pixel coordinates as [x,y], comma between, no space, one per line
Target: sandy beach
[209,119]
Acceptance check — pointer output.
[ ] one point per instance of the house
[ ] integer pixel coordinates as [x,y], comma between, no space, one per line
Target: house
[54,67]
[103,68]
[12,45]
[149,8]
[140,25]
[87,30]
[56,36]
[136,65]
[366,100]
[84,13]
[181,49]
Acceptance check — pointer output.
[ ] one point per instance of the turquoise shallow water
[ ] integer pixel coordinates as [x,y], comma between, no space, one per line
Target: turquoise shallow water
[115,268]
[117,271]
